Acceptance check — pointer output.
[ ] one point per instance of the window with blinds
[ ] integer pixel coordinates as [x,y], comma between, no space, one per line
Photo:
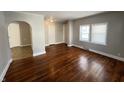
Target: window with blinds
[98,33]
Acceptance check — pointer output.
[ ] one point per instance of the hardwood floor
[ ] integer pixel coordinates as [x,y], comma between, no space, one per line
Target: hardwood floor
[21,52]
[62,63]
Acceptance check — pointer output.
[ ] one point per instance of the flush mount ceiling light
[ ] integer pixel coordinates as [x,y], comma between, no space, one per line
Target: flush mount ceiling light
[51,19]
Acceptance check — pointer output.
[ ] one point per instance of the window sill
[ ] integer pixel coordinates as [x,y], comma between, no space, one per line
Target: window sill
[93,43]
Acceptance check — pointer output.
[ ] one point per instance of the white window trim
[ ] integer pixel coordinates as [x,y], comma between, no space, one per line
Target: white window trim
[89,33]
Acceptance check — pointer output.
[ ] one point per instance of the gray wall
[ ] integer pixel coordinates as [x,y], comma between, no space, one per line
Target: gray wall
[115,34]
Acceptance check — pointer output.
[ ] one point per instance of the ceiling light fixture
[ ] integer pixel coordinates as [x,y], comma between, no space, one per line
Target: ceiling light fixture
[51,19]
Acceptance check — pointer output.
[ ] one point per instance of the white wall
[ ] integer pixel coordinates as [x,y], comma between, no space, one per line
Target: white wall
[49,33]
[5,56]
[14,35]
[19,34]
[64,32]
[37,24]
[59,32]
[68,33]
[66,26]
[46,32]
[53,33]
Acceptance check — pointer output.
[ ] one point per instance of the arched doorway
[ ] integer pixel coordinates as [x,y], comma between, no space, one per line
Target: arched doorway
[20,40]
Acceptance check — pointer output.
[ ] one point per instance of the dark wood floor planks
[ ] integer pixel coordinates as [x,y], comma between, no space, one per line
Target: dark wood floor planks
[66,64]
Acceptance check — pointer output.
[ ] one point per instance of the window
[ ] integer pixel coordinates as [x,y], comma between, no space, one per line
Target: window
[98,33]
[84,32]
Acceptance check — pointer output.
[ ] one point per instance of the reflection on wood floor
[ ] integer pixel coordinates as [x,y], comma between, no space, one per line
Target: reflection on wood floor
[21,52]
[62,63]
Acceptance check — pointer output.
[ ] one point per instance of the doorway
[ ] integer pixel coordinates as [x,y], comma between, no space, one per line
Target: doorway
[20,40]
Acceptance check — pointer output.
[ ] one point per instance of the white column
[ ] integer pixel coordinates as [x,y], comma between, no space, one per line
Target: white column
[70,33]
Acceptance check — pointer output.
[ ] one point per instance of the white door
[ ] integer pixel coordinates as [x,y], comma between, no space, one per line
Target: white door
[14,35]
[51,33]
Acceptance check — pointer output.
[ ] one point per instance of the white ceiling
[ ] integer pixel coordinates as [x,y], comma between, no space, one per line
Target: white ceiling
[65,15]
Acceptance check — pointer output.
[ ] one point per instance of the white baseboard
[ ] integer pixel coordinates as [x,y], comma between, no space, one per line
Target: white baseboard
[59,42]
[25,45]
[102,53]
[15,46]
[55,43]
[5,70]
[40,53]
[108,55]
[78,46]
[21,46]
[69,45]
